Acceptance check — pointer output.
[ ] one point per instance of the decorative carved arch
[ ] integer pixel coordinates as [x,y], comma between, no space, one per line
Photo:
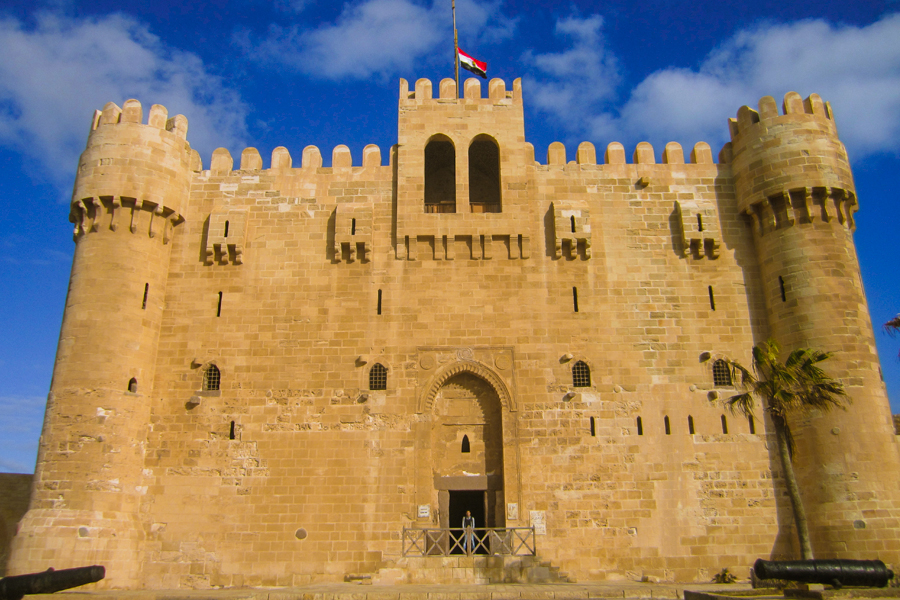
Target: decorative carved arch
[426,399]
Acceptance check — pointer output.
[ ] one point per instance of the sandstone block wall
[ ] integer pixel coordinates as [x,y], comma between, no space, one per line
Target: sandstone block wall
[332,361]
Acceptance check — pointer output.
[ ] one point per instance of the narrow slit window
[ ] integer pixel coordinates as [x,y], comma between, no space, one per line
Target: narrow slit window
[219,306]
[724,424]
[146,293]
[781,285]
[721,374]
[668,427]
[226,229]
[691,425]
[712,299]
[212,379]
[378,308]
[378,377]
[231,431]
[581,374]
[700,222]
[465,449]
[575,297]
[752,424]
[352,226]
[640,426]
[593,427]
[573,223]
[132,385]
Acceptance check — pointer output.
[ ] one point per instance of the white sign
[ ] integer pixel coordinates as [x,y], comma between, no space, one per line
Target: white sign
[512,511]
[424,511]
[538,522]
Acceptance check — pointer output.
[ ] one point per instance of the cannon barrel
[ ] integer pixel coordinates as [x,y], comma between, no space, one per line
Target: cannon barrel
[862,573]
[49,581]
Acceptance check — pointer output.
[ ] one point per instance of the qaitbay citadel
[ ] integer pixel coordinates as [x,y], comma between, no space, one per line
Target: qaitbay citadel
[281,373]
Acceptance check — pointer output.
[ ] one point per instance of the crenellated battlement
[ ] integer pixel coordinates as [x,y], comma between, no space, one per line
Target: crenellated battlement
[222,162]
[423,92]
[790,167]
[793,108]
[133,173]
[133,112]
[586,154]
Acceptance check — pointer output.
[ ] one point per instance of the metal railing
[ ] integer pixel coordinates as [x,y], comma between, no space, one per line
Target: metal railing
[514,541]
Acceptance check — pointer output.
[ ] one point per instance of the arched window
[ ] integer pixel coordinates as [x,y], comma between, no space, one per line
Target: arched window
[440,176]
[465,449]
[581,375]
[378,377]
[212,379]
[484,175]
[132,385]
[721,374]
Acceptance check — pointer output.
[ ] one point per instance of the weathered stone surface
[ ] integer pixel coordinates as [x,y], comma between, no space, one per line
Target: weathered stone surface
[265,374]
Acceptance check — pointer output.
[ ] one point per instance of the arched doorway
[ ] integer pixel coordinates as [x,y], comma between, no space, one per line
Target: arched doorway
[466,441]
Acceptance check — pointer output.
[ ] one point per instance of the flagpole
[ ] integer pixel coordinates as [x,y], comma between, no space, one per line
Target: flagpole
[455,47]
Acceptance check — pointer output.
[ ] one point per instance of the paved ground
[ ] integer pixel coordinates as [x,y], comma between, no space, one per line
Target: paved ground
[350,591]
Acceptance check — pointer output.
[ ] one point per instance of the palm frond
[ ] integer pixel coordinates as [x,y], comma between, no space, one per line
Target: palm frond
[892,326]
[741,403]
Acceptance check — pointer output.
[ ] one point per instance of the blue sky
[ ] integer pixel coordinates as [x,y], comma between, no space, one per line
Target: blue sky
[268,73]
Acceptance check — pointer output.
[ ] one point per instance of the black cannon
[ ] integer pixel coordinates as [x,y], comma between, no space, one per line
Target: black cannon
[838,573]
[17,586]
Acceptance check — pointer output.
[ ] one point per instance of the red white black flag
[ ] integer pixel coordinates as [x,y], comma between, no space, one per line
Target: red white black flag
[470,64]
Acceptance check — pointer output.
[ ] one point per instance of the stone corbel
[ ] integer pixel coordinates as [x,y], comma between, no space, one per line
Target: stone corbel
[114,211]
[156,212]
[97,206]
[135,215]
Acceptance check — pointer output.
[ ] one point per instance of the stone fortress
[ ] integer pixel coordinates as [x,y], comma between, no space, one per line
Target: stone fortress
[265,374]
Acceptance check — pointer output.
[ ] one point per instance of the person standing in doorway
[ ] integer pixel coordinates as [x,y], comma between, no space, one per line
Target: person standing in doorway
[469,531]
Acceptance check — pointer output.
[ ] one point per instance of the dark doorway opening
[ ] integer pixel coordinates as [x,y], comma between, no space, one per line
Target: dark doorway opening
[460,502]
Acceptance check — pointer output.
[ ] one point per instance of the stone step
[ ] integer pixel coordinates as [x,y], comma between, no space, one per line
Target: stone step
[467,569]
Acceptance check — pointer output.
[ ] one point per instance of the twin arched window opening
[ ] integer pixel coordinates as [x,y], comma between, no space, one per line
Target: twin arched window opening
[484,175]
[378,377]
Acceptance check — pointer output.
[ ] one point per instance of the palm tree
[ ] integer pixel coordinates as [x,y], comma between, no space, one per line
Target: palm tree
[797,385]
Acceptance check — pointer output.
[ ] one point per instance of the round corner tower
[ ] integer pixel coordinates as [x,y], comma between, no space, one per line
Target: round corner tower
[85,507]
[793,179]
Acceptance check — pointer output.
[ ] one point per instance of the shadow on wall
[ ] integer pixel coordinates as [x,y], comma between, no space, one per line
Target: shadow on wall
[15,491]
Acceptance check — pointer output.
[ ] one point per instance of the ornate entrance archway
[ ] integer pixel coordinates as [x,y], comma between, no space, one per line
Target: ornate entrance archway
[466,448]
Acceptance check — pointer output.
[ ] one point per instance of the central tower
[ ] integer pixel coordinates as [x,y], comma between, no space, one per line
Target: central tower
[464,171]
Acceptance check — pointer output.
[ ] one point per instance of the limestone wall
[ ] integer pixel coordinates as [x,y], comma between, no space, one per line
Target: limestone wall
[337,361]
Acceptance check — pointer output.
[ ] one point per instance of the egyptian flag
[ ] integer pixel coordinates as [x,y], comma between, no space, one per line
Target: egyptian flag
[470,64]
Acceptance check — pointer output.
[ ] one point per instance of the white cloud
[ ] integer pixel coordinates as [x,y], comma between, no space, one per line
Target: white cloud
[857,69]
[379,37]
[577,80]
[56,74]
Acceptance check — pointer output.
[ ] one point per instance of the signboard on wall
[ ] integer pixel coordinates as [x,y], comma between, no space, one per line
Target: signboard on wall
[538,522]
